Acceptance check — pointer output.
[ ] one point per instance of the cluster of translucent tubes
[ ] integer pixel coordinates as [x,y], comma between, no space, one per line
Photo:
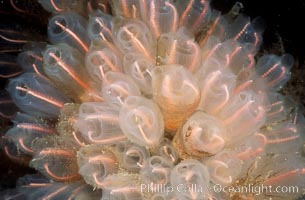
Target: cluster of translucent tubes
[160,93]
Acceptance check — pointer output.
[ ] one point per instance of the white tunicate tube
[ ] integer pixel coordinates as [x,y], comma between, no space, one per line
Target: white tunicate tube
[141,121]
[224,168]
[187,173]
[36,95]
[98,123]
[139,68]
[117,87]
[201,135]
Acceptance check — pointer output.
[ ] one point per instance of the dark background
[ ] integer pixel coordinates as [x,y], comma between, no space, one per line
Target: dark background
[284,21]
[284,33]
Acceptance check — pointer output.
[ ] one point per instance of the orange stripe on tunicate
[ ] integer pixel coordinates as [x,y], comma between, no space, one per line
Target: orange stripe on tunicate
[10,75]
[6,102]
[212,51]
[175,17]
[74,192]
[13,40]
[21,142]
[102,184]
[16,8]
[207,85]
[100,22]
[209,32]
[138,44]
[37,71]
[280,177]
[37,185]
[270,114]
[270,70]
[8,63]
[35,128]
[56,7]
[252,153]
[283,69]
[70,72]
[125,8]
[195,55]
[108,61]
[234,53]
[60,178]
[241,32]
[186,12]
[106,140]
[256,39]
[252,60]
[202,14]
[73,35]
[41,96]
[143,8]
[172,53]
[106,117]
[104,8]
[153,20]
[242,86]
[56,152]
[281,140]
[56,192]
[77,140]
[134,11]
[221,105]
[7,152]
[237,113]
[37,57]
[101,158]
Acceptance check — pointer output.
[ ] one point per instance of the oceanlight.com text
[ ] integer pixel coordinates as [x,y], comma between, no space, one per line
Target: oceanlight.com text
[217,188]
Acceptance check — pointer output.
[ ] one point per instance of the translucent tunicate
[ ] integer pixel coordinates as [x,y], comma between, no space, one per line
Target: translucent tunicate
[98,123]
[156,170]
[141,121]
[69,28]
[166,150]
[187,173]
[95,164]
[101,61]
[34,186]
[278,108]
[36,95]
[56,164]
[65,66]
[139,69]
[176,92]
[224,168]
[201,135]
[117,87]
[162,17]
[179,48]
[99,26]
[245,31]
[130,8]
[286,136]
[194,14]
[30,60]
[133,36]
[131,156]
[244,114]
[24,133]
[216,90]
[275,70]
